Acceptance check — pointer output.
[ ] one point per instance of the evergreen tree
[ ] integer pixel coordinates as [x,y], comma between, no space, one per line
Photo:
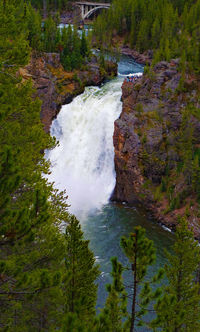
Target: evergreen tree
[155,24]
[30,240]
[115,317]
[84,45]
[72,323]
[34,24]
[74,49]
[81,272]
[140,253]
[115,309]
[155,33]
[179,308]
[142,39]
[76,59]
[49,35]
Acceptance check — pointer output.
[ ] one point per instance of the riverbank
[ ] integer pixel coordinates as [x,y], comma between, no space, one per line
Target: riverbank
[56,87]
[141,58]
[154,139]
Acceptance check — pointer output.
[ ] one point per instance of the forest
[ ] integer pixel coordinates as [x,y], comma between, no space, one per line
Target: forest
[48,274]
[170,28]
[166,30]
[56,4]
[48,37]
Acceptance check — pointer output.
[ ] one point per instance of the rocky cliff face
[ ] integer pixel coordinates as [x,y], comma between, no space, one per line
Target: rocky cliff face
[157,145]
[56,87]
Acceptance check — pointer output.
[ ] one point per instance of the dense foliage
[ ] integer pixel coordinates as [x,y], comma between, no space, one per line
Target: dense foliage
[29,238]
[33,275]
[48,37]
[170,28]
[52,5]
[47,277]
[175,309]
[164,30]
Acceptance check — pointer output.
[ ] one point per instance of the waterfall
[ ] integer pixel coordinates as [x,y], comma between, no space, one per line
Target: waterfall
[83,163]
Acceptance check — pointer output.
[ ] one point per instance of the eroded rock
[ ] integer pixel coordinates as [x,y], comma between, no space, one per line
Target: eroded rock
[55,87]
[152,137]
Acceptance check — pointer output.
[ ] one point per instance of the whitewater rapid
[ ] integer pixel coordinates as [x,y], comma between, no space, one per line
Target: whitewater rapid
[83,162]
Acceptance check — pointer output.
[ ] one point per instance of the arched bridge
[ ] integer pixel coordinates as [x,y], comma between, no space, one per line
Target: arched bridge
[88,8]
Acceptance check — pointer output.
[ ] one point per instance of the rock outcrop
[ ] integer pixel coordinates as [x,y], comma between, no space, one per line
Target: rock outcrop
[56,87]
[157,145]
[142,58]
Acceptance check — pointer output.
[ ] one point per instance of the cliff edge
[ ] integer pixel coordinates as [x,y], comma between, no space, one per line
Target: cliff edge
[157,144]
[56,87]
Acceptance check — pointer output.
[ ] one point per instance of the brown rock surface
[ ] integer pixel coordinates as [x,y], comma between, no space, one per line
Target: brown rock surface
[151,139]
[56,87]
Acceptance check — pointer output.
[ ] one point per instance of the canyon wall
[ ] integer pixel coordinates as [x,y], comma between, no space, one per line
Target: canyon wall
[157,145]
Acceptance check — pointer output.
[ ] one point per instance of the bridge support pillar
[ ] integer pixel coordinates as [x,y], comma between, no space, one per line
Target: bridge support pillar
[82,11]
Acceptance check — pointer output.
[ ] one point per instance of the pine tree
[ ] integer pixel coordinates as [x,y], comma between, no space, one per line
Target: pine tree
[142,38]
[140,253]
[179,308]
[81,273]
[153,24]
[84,45]
[72,323]
[30,240]
[76,58]
[34,24]
[155,33]
[49,35]
[115,309]
[115,317]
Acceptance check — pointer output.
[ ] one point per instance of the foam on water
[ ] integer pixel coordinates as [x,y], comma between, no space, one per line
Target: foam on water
[130,74]
[83,163]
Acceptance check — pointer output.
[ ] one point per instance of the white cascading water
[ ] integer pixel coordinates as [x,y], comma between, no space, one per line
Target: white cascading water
[83,163]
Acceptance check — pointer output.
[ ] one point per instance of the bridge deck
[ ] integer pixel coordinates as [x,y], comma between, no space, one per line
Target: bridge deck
[87,3]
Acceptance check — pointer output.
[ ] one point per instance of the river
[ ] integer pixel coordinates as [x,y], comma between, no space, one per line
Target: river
[83,164]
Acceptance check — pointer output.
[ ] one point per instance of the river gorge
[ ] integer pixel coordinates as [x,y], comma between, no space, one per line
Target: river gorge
[83,165]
